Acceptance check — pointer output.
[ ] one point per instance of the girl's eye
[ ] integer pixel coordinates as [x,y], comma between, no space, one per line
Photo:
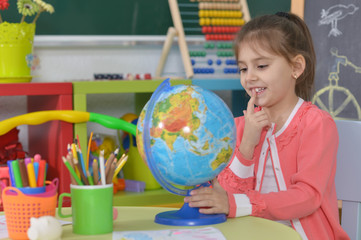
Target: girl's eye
[262,66]
[242,69]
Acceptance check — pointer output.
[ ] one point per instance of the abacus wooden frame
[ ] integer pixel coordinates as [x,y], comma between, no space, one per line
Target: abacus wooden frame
[298,7]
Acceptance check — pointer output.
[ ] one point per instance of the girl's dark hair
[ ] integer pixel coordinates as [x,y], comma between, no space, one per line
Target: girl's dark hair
[287,35]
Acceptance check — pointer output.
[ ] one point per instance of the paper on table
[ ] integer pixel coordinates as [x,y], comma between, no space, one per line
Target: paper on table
[4,230]
[207,233]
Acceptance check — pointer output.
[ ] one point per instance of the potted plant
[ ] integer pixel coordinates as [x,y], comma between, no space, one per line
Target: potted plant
[16,40]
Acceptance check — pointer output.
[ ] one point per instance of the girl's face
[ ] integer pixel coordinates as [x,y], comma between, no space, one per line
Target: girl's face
[267,75]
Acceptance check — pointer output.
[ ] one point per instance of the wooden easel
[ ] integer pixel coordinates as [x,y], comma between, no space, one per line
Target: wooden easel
[178,31]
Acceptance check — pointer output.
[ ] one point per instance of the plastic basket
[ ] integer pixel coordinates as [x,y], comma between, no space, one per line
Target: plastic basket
[20,207]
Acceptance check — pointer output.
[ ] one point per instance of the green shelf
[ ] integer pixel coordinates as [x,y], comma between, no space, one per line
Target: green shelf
[142,89]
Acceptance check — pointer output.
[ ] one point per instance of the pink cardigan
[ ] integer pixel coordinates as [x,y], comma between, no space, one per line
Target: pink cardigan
[303,154]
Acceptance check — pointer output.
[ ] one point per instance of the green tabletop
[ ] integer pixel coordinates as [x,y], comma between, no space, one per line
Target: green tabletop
[155,198]
[142,218]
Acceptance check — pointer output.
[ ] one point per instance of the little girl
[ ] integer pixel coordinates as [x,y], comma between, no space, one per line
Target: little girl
[284,164]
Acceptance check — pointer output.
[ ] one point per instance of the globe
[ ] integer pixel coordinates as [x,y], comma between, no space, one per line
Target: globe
[186,135]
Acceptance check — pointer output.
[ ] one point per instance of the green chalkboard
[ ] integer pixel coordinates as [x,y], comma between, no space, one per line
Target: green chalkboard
[117,17]
[262,7]
[101,17]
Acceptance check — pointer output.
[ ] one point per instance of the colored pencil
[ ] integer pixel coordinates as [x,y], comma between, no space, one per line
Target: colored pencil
[69,158]
[111,172]
[120,165]
[69,148]
[77,138]
[72,172]
[82,175]
[95,172]
[75,157]
[102,167]
[90,178]
[116,151]
[109,163]
[81,160]
[87,156]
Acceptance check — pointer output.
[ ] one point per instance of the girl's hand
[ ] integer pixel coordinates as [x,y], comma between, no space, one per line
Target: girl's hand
[209,200]
[254,123]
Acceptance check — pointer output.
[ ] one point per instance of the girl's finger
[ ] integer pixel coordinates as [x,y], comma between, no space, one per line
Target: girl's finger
[250,105]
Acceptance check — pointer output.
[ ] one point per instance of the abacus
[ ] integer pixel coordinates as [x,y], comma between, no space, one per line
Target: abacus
[218,21]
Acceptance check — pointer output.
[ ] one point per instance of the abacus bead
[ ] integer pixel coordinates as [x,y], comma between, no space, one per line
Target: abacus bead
[200,14]
[201,21]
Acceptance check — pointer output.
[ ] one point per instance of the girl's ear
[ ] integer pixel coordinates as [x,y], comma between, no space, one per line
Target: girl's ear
[298,65]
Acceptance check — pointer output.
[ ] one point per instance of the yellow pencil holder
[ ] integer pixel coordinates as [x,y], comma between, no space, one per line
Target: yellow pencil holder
[16,48]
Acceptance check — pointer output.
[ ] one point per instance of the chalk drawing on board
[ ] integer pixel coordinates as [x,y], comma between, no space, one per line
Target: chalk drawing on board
[333,88]
[334,14]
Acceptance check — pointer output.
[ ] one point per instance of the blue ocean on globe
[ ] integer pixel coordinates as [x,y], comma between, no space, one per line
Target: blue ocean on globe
[186,135]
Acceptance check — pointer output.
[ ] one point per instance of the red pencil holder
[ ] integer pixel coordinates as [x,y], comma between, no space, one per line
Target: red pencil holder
[20,207]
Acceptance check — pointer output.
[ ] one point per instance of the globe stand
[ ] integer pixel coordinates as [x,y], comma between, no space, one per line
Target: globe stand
[188,216]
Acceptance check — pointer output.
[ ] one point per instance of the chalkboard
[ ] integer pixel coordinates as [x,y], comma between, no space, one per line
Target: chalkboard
[101,17]
[262,7]
[333,25]
[117,17]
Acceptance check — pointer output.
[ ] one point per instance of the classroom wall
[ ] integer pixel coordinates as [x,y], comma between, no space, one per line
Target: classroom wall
[77,58]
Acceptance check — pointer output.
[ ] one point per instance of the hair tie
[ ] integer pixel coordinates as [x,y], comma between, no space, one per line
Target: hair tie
[283,14]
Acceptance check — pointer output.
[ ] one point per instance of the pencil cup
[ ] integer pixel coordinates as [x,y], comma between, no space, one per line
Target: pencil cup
[92,208]
[20,207]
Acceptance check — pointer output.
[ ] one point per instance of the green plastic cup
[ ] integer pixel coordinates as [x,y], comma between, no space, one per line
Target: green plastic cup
[92,209]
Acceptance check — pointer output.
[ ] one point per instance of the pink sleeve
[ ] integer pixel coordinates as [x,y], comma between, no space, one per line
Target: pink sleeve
[234,185]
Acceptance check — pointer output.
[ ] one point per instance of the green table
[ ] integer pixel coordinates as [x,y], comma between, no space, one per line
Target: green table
[142,218]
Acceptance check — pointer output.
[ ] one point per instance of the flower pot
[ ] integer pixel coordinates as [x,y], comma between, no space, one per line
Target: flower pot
[16,47]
